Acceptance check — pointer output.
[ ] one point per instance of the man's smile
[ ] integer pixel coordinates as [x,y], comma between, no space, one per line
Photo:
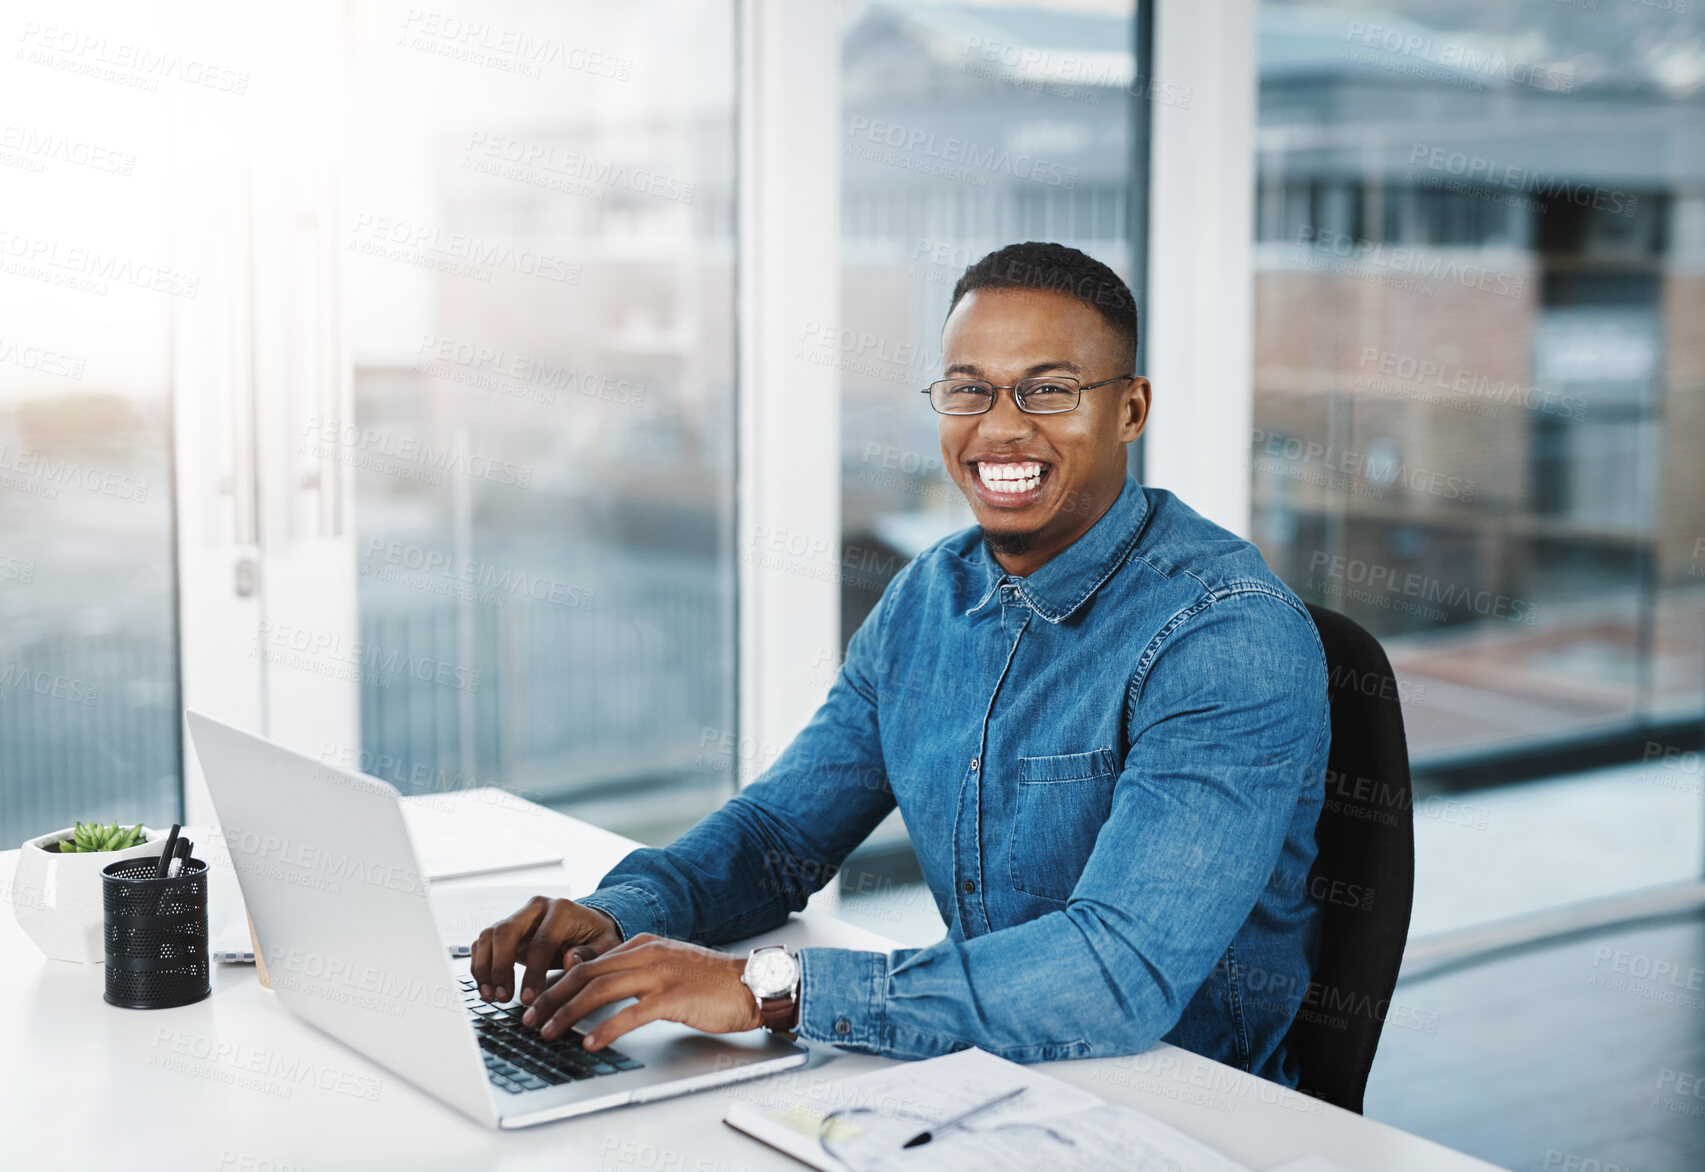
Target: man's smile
[1010,483]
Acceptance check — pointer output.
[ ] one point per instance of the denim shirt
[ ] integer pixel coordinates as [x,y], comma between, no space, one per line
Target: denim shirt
[1111,770]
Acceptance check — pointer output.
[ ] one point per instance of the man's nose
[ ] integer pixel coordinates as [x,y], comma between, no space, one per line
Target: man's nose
[1004,422]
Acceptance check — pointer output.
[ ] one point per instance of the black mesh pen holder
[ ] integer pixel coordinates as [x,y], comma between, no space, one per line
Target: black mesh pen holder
[156,934]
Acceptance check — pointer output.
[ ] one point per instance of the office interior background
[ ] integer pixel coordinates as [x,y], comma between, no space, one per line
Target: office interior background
[526,395]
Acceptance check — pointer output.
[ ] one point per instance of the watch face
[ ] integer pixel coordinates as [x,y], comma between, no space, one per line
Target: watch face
[771,973]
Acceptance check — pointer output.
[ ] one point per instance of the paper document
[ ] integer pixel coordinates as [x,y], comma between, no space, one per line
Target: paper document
[448,846]
[862,1123]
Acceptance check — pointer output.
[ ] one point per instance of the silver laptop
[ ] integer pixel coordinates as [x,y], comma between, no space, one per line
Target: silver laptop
[339,905]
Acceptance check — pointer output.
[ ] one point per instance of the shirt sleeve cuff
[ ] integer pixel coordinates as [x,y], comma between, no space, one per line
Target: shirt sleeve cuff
[841,997]
[634,909]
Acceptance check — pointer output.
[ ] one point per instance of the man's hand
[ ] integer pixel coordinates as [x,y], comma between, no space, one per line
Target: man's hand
[695,986]
[546,934]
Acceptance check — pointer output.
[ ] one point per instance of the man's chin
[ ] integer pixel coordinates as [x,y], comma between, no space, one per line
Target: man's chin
[1008,541]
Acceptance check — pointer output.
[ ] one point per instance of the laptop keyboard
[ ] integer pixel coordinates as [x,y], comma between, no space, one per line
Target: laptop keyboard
[517,1059]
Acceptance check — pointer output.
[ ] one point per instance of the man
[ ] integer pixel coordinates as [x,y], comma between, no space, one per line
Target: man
[1102,718]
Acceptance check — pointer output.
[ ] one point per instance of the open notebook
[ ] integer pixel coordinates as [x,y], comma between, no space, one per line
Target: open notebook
[861,1123]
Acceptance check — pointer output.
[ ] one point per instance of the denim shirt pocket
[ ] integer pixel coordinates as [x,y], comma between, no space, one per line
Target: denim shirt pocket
[1062,802]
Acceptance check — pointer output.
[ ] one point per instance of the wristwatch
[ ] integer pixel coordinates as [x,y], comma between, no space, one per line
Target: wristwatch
[772,974]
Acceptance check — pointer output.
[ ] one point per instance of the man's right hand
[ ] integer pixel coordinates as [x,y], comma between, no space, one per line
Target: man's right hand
[546,934]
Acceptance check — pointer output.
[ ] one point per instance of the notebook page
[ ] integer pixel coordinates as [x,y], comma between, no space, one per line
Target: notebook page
[1052,1125]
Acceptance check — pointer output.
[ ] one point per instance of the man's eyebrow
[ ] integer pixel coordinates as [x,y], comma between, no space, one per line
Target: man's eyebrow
[971,369]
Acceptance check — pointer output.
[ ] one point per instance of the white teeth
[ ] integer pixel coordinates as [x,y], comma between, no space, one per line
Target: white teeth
[1010,478]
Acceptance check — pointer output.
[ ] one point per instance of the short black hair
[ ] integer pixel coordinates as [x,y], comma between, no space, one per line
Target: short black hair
[1057,269]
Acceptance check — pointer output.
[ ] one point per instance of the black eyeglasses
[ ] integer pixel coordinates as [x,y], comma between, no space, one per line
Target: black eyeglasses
[1048,394]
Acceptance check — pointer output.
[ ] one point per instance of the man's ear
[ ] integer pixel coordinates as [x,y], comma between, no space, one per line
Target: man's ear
[1135,404]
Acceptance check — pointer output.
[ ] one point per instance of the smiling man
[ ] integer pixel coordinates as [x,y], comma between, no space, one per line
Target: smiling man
[1101,716]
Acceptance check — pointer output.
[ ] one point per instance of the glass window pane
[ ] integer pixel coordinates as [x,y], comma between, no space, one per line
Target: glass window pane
[1478,411]
[965,127]
[88,640]
[540,298]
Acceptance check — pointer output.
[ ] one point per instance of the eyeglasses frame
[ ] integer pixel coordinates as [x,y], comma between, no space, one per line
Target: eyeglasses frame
[996,388]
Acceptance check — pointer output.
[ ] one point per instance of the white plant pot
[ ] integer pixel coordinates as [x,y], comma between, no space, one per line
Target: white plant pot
[58,899]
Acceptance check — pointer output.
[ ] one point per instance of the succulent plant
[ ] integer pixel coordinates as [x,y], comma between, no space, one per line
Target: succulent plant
[89,837]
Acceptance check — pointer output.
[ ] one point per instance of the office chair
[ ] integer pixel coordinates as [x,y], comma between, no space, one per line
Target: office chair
[1364,873]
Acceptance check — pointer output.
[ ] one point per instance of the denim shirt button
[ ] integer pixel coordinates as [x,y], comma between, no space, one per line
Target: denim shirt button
[843,1026]
[970,886]
[976,762]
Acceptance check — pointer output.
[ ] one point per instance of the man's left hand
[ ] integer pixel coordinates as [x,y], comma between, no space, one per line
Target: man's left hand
[673,981]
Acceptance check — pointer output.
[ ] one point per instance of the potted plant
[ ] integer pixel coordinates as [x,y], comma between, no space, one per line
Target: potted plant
[56,890]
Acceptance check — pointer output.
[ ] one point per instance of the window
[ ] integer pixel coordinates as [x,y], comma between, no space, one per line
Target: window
[1477,407]
[965,127]
[88,285]
[539,297]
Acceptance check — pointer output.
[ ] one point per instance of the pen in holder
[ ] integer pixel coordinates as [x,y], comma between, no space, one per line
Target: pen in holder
[156,934]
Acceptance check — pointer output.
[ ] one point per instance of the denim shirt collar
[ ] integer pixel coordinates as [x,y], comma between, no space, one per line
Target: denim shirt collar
[1068,579]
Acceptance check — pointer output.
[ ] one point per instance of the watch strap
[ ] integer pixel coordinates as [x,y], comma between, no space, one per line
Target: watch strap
[777,1013]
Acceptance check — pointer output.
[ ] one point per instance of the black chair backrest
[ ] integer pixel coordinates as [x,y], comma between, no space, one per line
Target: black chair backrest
[1364,874]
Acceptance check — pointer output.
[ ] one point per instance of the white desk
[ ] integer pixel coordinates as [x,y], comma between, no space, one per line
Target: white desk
[89,1085]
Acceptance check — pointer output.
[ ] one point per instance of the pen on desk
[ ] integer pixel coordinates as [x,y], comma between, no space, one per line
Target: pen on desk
[166,855]
[168,869]
[923,1137]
